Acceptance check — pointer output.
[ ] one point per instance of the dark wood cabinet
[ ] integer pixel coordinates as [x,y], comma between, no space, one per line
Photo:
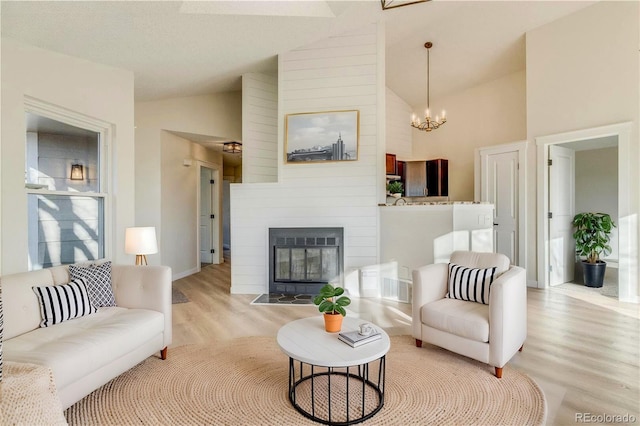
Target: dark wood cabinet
[391,164]
[438,178]
[400,170]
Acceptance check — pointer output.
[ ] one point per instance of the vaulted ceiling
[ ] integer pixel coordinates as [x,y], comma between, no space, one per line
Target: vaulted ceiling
[184,48]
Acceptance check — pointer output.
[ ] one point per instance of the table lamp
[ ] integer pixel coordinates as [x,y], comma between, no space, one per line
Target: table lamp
[140,241]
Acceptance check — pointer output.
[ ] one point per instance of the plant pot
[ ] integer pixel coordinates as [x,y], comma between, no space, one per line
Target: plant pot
[593,273]
[332,322]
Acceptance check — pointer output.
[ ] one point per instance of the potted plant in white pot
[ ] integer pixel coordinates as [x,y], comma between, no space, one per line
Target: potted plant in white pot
[395,188]
[592,235]
[331,302]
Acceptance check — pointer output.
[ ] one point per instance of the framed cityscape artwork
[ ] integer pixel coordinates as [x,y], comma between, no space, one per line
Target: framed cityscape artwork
[322,136]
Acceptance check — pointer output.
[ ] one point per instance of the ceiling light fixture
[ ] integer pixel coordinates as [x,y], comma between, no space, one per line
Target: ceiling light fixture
[232,147]
[428,124]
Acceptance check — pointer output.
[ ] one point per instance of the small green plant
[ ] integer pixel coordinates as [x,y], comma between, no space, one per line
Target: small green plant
[394,187]
[592,235]
[331,300]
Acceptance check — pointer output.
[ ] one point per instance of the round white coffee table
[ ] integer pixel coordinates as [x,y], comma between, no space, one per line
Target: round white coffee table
[329,381]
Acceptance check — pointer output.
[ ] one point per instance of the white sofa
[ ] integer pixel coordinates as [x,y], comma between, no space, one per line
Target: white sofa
[491,333]
[86,352]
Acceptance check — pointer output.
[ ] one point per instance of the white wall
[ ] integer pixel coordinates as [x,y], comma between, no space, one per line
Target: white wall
[490,114]
[259,128]
[583,72]
[340,73]
[398,131]
[148,183]
[218,115]
[93,90]
[166,190]
[178,236]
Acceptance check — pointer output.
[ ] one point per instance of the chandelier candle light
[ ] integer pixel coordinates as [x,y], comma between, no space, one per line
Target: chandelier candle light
[428,124]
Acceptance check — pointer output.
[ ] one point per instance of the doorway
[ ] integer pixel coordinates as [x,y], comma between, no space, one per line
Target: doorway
[500,179]
[548,251]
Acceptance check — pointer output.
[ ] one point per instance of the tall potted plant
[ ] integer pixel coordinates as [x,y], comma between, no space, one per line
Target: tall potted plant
[331,302]
[592,235]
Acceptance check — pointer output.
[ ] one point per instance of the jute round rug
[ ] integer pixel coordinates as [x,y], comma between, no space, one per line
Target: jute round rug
[244,382]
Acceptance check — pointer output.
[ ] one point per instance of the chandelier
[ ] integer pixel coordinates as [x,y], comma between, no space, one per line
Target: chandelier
[428,124]
[232,147]
[390,4]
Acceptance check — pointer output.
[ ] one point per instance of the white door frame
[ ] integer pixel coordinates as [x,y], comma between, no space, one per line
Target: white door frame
[217,256]
[521,148]
[627,222]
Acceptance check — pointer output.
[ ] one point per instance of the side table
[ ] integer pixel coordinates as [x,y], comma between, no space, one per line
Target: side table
[329,381]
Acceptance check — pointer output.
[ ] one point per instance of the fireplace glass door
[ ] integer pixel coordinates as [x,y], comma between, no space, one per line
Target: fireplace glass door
[319,264]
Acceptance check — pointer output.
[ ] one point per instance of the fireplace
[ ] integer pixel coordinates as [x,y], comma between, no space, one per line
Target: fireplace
[302,260]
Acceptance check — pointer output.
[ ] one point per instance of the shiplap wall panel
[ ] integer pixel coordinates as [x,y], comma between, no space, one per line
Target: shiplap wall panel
[259,128]
[338,73]
[311,58]
[331,82]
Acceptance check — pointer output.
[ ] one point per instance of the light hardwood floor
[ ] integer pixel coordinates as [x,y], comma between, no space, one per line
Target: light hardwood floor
[585,355]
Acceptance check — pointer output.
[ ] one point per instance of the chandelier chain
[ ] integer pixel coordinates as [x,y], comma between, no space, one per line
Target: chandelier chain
[428,124]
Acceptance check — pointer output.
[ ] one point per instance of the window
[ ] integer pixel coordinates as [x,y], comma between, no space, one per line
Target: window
[66,195]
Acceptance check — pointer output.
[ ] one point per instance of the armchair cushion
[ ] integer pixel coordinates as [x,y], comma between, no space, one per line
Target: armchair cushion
[457,317]
[470,284]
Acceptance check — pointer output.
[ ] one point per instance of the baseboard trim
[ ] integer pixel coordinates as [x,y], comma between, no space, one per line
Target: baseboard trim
[185,273]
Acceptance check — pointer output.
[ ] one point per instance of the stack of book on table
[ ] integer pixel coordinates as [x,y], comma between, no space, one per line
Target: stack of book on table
[355,339]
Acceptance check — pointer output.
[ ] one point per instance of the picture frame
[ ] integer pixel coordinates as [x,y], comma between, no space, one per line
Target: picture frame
[314,137]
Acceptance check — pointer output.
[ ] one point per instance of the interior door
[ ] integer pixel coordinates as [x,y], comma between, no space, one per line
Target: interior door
[561,211]
[499,186]
[207,216]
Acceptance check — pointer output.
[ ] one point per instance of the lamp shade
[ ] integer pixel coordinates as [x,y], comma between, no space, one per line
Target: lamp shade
[140,240]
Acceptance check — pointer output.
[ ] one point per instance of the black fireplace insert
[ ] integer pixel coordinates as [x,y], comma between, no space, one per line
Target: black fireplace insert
[302,260]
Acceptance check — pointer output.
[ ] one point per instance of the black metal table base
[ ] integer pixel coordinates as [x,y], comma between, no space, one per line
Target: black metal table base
[317,396]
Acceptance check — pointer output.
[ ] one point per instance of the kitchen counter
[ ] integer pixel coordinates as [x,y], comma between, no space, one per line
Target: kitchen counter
[424,201]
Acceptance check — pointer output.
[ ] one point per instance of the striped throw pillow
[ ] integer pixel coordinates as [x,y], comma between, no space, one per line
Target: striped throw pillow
[60,303]
[470,284]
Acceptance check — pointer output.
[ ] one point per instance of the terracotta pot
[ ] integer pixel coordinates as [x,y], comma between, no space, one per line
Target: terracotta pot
[332,322]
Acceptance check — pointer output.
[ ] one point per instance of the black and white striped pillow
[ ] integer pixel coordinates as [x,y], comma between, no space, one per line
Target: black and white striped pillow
[60,303]
[471,284]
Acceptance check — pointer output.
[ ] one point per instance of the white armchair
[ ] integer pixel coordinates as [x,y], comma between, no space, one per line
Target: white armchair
[491,333]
